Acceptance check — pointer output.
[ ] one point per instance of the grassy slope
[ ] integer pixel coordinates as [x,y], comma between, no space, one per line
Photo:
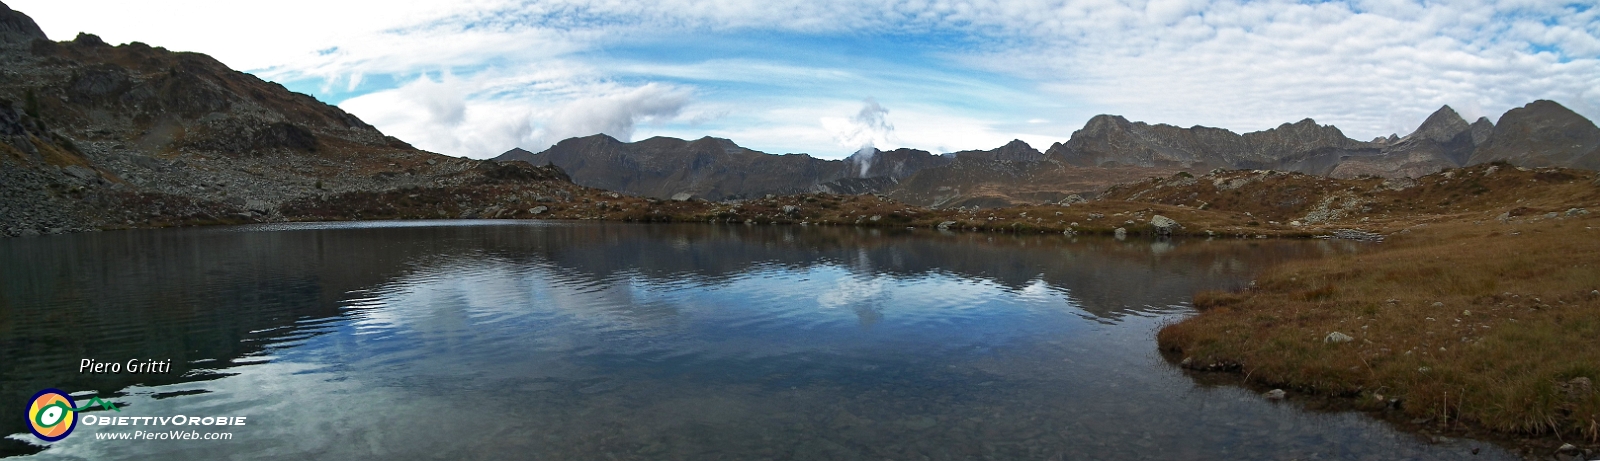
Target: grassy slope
[1461,315]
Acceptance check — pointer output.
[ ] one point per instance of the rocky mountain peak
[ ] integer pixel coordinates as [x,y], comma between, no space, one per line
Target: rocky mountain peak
[18,28]
[1442,126]
[1542,133]
[1016,150]
[1103,123]
[1481,130]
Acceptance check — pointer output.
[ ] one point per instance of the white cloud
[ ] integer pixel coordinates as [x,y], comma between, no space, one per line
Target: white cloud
[492,111]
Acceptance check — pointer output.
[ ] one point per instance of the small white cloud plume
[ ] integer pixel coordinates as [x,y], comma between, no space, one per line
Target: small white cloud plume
[865,131]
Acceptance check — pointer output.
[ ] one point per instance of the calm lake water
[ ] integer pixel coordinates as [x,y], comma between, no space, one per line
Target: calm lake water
[518,340]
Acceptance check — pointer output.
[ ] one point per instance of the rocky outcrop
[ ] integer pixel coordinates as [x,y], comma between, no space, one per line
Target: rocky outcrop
[1542,134]
[17,29]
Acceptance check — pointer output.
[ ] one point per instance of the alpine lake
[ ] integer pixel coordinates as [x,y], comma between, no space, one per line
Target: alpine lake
[574,341]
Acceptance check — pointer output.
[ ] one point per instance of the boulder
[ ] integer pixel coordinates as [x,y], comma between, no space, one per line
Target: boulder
[1121,233]
[538,210]
[1337,337]
[682,197]
[1163,225]
[1275,394]
[946,225]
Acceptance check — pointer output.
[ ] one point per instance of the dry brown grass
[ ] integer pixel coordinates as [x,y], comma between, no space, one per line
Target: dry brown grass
[1464,320]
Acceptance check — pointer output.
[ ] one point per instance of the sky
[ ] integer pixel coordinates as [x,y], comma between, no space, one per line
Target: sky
[479,77]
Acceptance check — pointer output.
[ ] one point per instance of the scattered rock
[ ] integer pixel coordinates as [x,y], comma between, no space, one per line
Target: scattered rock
[1337,337]
[1573,212]
[1352,234]
[1275,394]
[1121,233]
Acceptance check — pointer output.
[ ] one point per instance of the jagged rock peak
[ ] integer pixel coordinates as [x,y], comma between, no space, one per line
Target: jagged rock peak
[1481,130]
[18,28]
[1442,126]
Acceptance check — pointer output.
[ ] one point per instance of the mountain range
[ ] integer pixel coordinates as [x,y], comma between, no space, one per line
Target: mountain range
[96,136]
[1108,150]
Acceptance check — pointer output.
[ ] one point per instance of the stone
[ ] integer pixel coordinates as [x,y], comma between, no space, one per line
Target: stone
[1579,388]
[1275,394]
[875,218]
[1071,199]
[1163,225]
[946,225]
[1120,233]
[538,210]
[682,197]
[1337,337]
[1573,212]
[790,209]
[1567,448]
[1438,304]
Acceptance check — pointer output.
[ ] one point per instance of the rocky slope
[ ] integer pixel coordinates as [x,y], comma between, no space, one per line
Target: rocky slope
[100,136]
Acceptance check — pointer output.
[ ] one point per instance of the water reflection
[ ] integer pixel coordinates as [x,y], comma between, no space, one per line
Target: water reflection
[608,341]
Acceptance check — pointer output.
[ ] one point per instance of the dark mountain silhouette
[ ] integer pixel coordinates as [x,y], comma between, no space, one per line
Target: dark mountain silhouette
[718,169]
